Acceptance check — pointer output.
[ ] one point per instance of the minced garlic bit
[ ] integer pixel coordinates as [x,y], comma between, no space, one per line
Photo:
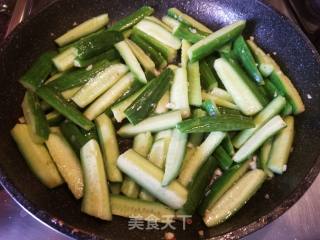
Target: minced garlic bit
[89,67]
[218,172]
[309,96]
[284,168]
[251,38]
[267,196]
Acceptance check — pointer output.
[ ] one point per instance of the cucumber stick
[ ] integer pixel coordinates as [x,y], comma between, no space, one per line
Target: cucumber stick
[99,84]
[222,184]
[131,61]
[234,198]
[185,45]
[200,156]
[281,147]
[264,155]
[225,161]
[132,19]
[157,21]
[272,109]
[244,54]
[83,29]
[188,33]
[67,163]
[264,62]
[215,40]
[217,123]
[188,20]
[162,105]
[159,33]
[109,145]
[169,21]
[144,195]
[154,54]
[146,102]
[119,108]
[158,152]
[196,138]
[237,87]
[35,118]
[219,100]
[146,62]
[78,77]
[129,208]
[208,79]
[195,98]
[175,156]
[109,97]
[96,194]
[166,51]
[37,157]
[65,60]
[179,92]
[270,128]
[74,135]
[221,93]
[38,72]
[141,144]
[149,177]
[63,107]
[280,80]
[197,188]
[152,124]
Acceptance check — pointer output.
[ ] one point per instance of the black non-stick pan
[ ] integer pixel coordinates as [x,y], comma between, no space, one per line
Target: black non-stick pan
[58,209]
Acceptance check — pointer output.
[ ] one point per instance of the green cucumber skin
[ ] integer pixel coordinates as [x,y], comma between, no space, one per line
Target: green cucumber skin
[227,145]
[39,71]
[208,79]
[246,58]
[132,19]
[135,87]
[77,77]
[210,108]
[147,100]
[198,186]
[35,117]
[212,42]
[222,184]
[220,123]
[109,55]
[186,19]
[155,55]
[168,53]
[97,44]
[54,118]
[188,33]
[63,107]
[225,161]
[196,138]
[73,135]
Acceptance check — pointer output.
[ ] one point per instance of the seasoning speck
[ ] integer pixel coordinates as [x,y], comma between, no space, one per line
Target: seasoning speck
[74,24]
[267,196]
[218,172]
[89,67]
[274,53]
[309,96]
[201,233]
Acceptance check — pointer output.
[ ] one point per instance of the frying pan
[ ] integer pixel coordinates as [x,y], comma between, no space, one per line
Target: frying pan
[59,210]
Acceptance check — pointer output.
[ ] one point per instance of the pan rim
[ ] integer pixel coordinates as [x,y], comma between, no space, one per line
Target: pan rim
[69,230]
